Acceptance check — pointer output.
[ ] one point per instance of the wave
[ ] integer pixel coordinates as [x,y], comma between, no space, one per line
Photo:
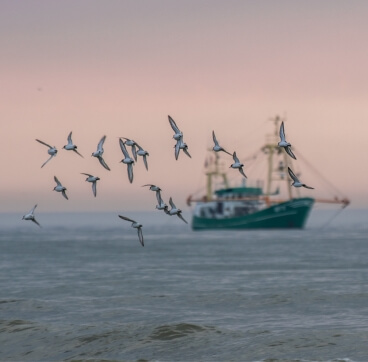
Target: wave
[168,332]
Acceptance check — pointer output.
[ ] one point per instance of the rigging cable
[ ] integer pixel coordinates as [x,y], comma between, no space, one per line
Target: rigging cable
[332,218]
[319,174]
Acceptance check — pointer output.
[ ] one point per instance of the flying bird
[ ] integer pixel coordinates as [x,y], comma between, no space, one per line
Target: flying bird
[52,151]
[283,143]
[60,188]
[178,134]
[144,154]
[132,144]
[92,179]
[217,147]
[70,146]
[30,216]
[135,225]
[175,211]
[127,160]
[237,164]
[99,152]
[296,182]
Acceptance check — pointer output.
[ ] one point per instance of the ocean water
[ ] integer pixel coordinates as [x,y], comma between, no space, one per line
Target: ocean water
[82,288]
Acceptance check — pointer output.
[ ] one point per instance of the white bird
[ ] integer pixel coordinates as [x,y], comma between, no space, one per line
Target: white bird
[92,179]
[161,204]
[60,188]
[283,143]
[127,160]
[296,182]
[153,187]
[178,134]
[137,226]
[237,164]
[180,145]
[175,211]
[70,146]
[217,147]
[99,152]
[30,216]
[144,154]
[52,151]
[132,144]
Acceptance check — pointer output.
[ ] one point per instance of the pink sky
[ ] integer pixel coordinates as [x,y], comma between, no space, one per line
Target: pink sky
[120,67]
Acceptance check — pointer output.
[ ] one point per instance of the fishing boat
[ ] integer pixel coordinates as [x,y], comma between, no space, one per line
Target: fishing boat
[258,205]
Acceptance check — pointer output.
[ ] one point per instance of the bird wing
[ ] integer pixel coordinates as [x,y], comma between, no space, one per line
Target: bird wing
[290,152]
[130,172]
[64,194]
[282,131]
[292,175]
[123,148]
[103,163]
[36,222]
[77,152]
[87,174]
[186,152]
[172,203]
[214,138]
[34,208]
[177,149]
[158,197]
[181,217]
[126,218]
[44,143]
[308,187]
[94,188]
[47,160]
[134,151]
[70,138]
[236,159]
[173,125]
[242,172]
[139,147]
[140,236]
[57,181]
[100,144]
[145,161]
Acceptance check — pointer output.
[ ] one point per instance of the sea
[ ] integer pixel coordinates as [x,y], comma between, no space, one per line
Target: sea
[82,288]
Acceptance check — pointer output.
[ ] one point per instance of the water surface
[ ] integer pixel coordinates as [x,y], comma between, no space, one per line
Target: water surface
[82,288]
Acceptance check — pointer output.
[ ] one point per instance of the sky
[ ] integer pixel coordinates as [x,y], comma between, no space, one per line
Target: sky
[119,68]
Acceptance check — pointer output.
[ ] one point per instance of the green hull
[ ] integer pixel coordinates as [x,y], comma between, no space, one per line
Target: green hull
[291,214]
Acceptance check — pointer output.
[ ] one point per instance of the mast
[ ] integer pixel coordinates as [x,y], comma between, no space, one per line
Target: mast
[287,163]
[214,172]
[271,148]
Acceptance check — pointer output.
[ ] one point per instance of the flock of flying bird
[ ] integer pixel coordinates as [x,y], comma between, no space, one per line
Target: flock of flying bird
[129,161]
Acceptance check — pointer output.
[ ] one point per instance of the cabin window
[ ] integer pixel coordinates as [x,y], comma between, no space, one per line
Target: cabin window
[220,208]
